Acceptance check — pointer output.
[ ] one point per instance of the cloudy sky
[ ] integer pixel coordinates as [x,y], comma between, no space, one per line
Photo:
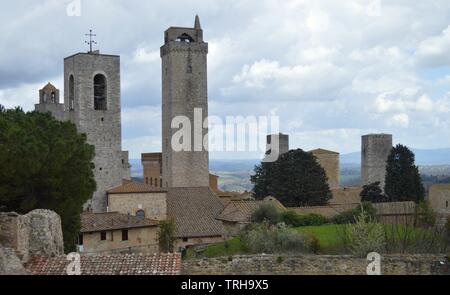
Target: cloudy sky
[331,70]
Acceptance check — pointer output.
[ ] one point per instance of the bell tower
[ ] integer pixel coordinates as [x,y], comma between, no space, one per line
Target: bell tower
[185,93]
[49,102]
[92,100]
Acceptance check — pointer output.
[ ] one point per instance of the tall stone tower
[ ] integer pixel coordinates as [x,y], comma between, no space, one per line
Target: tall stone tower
[374,153]
[283,142]
[185,92]
[92,100]
[49,102]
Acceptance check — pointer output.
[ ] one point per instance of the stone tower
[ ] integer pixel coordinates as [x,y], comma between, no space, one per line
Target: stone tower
[283,142]
[185,92]
[49,102]
[92,100]
[374,153]
[329,161]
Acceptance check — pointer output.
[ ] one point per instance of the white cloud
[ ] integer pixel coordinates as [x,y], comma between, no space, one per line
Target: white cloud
[399,120]
[434,51]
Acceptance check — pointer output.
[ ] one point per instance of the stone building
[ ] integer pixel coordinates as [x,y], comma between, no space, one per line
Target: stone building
[138,199]
[329,161]
[185,93]
[439,197]
[92,103]
[375,151]
[152,164]
[114,232]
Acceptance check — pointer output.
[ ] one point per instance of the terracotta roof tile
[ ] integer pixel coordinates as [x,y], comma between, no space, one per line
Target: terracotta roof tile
[119,264]
[195,211]
[135,187]
[95,222]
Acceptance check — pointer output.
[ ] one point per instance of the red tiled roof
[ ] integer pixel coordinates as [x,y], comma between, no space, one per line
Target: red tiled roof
[95,222]
[120,264]
[135,187]
[194,210]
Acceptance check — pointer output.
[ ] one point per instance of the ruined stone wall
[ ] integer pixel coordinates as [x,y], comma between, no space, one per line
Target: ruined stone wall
[37,233]
[375,150]
[310,265]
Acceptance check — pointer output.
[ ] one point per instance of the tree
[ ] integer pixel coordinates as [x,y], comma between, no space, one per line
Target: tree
[373,193]
[45,164]
[166,235]
[266,213]
[296,179]
[403,182]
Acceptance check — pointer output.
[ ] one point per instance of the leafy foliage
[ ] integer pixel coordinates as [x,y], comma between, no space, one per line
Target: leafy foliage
[296,180]
[166,235]
[350,216]
[45,164]
[403,181]
[373,193]
[365,236]
[266,213]
[264,238]
[291,218]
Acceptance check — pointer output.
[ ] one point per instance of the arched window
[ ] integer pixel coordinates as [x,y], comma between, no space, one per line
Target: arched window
[53,97]
[71,93]
[140,214]
[156,182]
[151,181]
[100,98]
[160,182]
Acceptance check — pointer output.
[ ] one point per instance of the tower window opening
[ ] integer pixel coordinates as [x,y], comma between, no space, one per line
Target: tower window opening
[53,96]
[100,98]
[71,93]
[185,38]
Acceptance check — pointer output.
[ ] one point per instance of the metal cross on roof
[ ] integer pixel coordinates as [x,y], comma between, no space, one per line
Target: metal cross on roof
[90,42]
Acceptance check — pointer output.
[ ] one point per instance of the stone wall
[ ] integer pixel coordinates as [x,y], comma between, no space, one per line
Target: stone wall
[311,265]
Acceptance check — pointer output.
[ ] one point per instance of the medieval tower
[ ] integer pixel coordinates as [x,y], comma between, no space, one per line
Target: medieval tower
[92,100]
[375,151]
[281,139]
[185,93]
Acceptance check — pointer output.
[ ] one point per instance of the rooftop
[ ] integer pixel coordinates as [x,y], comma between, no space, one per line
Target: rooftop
[120,264]
[49,88]
[95,222]
[194,210]
[135,187]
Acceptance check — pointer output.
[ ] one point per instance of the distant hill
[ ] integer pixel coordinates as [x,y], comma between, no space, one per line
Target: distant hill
[423,157]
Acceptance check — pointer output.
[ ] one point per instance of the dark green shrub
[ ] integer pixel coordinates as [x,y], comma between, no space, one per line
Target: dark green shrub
[266,213]
[350,216]
[291,218]
[315,244]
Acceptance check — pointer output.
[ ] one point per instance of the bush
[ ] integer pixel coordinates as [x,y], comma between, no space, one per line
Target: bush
[293,219]
[365,236]
[350,216]
[266,213]
[263,238]
[447,231]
